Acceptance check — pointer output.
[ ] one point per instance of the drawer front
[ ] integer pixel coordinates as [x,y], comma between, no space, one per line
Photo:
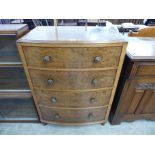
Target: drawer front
[65,80]
[146,69]
[73,99]
[72,57]
[73,115]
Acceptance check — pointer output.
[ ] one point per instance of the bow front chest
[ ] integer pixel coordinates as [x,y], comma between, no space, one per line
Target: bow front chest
[72,72]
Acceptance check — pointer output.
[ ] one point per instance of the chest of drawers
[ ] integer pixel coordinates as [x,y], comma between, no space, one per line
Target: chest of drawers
[73,73]
[135,95]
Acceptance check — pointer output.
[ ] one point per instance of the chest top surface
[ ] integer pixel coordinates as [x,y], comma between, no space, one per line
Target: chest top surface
[11,28]
[142,48]
[72,34]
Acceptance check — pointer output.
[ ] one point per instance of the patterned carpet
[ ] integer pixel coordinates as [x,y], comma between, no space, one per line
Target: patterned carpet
[136,128]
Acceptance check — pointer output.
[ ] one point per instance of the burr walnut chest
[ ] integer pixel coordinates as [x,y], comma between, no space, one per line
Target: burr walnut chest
[135,95]
[72,72]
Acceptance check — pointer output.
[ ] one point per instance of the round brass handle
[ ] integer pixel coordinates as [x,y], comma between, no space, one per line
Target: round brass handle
[57,116]
[53,100]
[50,81]
[47,58]
[92,100]
[90,115]
[98,59]
[94,82]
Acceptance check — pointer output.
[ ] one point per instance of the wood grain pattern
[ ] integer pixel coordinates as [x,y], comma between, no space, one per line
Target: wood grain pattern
[73,34]
[150,106]
[71,76]
[72,57]
[137,100]
[29,79]
[116,78]
[64,80]
[144,100]
[73,99]
[148,31]
[73,116]
[146,69]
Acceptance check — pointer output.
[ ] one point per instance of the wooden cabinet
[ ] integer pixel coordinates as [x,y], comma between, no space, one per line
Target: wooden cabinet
[135,95]
[73,73]
[16,102]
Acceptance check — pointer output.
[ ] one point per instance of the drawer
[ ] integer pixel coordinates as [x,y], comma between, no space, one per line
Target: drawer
[146,69]
[73,99]
[72,80]
[73,115]
[72,57]
[13,78]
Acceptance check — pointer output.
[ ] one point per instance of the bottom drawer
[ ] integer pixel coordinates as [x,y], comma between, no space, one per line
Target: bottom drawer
[73,115]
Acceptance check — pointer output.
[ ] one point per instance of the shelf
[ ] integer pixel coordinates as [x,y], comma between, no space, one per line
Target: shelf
[11,63]
[18,110]
[13,78]
[20,94]
[8,50]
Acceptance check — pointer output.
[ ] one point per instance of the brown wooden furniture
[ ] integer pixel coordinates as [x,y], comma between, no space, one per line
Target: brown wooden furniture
[73,73]
[148,31]
[16,102]
[135,95]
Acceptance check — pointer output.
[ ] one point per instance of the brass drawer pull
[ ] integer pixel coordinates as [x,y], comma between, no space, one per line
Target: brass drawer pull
[53,100]
[47,58]
[57,116]
[90,115]
[92,100]
[97,59]
[94,82]
[50,81]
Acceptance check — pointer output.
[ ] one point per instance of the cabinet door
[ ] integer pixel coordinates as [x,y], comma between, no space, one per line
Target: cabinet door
[139,99]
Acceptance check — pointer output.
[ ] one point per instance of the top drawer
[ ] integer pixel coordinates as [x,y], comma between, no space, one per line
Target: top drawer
[146,69]
[77,57]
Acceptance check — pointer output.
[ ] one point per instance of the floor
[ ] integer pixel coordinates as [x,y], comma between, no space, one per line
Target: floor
[136,128]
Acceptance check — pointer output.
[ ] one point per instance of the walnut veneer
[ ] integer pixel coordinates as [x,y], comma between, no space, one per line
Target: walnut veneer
[72,72]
